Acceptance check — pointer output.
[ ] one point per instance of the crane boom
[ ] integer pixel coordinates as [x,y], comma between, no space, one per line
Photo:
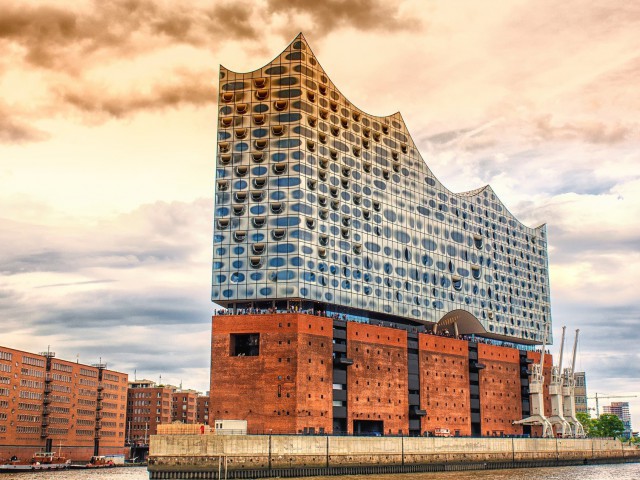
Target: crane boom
[598,398]
[575,346]
[561,350]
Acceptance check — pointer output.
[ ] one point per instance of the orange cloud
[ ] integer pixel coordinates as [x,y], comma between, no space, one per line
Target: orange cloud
[364,15]
[188,89]
[14,130]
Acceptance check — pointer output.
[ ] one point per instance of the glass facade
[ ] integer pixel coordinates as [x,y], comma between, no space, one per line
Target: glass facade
[320,203]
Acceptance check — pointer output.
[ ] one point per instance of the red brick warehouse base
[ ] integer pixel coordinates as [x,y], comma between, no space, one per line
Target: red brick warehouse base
[300,373]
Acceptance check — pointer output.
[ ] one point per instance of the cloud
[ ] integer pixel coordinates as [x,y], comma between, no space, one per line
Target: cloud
[364,15]
[119,308]
[53,37]
[587,130]
[233,19]
[616,324]
[87,282]
[447,137]
[84,48]
[189,89]
[41,31]
[610,92]
[115,252]
[13,130]
[80,253]
[10,298]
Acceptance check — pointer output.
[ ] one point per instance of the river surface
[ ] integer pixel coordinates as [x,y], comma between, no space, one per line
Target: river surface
[628,471]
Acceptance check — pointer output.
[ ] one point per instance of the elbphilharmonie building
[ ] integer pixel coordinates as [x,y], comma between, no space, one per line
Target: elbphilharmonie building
[322,206]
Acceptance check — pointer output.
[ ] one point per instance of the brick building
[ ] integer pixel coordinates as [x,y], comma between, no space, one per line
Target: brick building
[150,405]
[202,409]
[300,373]
[185,407]
[620,410]
[48,404]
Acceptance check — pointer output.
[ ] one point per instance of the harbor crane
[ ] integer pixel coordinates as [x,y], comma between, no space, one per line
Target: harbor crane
[557,419]
[568,393]
[598,398]
[536,388]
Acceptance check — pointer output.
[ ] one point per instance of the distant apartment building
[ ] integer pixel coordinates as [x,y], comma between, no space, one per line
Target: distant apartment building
[620,410]
[51,404]
[184,406]
[150,404]
[581,392]
[202,415]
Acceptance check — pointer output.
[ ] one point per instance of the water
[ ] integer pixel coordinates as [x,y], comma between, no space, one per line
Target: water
[128,473]
[628,471]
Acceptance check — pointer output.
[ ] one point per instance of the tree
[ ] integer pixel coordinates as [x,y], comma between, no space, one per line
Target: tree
[586,421]
[607,426]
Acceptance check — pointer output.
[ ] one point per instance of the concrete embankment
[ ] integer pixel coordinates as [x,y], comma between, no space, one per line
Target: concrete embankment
[261,456]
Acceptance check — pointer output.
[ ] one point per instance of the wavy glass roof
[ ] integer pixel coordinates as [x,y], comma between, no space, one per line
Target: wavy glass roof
[321,203]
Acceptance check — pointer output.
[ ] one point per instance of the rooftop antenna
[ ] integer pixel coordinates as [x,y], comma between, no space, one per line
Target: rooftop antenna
[135,375]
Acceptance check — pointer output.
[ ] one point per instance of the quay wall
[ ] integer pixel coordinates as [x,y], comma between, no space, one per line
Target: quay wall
[200,453]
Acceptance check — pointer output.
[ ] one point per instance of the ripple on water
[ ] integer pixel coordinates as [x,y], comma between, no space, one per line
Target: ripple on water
[629,471]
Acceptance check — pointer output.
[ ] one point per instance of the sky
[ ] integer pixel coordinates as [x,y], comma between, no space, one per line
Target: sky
[108,121]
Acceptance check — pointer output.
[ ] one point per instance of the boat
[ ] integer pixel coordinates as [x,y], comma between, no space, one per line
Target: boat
[97,461]
[39,461]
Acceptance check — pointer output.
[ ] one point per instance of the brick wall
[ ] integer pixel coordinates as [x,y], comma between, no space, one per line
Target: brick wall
[500,390]
[263,389]
[314,376]
[444,384]
[377,380]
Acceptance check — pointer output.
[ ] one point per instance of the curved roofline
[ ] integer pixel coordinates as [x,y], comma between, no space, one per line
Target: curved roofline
[461,195]
[469,324]
[301,36]
[477,191]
